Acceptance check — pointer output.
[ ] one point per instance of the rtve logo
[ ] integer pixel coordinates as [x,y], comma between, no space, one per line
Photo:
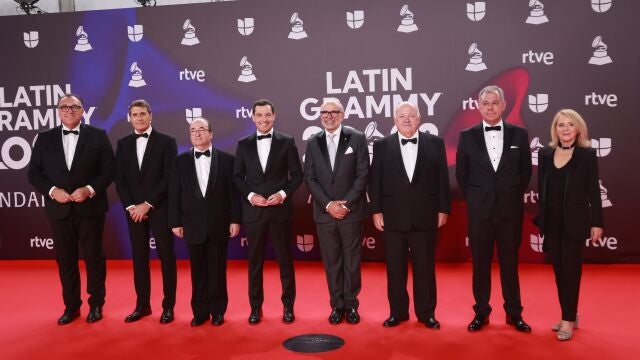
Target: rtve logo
[37,242]
[476,11]
[188,75]
[610,100]
[609,243]
[532,57]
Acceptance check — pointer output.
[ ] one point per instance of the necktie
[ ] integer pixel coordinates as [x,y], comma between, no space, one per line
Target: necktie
[332,149]
[405,141]
[144,135]
[267,136]
[205,153]
[492,128]
[67,132]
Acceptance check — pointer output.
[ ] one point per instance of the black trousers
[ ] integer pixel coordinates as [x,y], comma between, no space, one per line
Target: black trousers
[421,245]
[341,255]
[566,257]
[280,235]
[507,236]
[139,236]
[208,263]
[85,232]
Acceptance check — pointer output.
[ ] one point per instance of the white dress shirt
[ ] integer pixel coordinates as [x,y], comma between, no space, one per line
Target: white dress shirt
[409,154]
[264,146]
[203,167]
[69,143]
[333,147]
[141,145]
[494,140]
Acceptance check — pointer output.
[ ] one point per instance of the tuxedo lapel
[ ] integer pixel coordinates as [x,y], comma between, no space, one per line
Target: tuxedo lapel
[191,164]
[147,151]
[421,157]
[213,173]
[478,134]
[58,147]
[276,144]
[254,159]
[321,138]
[343,144]
[396,156]
[507,140]
[82,140]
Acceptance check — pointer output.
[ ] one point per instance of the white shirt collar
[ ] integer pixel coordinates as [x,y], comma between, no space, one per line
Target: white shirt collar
[260,134]
[148,131]
[500,123]
[336,131]
[400,136]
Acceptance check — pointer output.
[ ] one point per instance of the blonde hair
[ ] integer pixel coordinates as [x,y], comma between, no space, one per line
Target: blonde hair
[582,138]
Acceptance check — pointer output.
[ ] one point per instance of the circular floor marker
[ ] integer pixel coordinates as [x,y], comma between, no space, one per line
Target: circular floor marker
[313,343]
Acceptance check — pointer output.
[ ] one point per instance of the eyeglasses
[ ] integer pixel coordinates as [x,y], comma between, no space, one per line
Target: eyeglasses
[199,131]
[68,108]
[331,114]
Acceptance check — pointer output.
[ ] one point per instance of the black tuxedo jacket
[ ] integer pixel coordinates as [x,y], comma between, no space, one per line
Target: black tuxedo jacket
[209,215]
[581,201]
[149,183]
[347,181]
[484,188]
[414,204]
[93,164]
[283,172]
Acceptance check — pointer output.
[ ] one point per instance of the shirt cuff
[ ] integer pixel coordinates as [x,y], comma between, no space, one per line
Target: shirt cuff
[151,206]
[283,194]
[250,196]
[93,192]
[51,191]
[327,207]
[129,207]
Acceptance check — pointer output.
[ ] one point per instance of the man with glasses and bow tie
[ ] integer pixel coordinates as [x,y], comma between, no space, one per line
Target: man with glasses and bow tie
[493,167]
[204,209]
[336,169]
[410,200]
[72,165]
[267,172]
[143,163]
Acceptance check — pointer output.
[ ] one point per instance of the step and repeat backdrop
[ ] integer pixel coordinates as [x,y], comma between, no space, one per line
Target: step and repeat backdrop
[215,59]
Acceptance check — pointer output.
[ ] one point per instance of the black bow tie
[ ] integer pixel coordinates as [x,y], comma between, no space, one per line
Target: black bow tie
[405,141]
[144,135]
[260,137]
[491,128]
[205,153]
[67,132]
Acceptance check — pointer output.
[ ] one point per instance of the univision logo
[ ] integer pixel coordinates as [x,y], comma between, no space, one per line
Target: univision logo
[601,6]
[135,32]
[476,11]
[355,19]
[538,103]
[246,26]
[31,39]
[304,242]
[193,113]
[536,242]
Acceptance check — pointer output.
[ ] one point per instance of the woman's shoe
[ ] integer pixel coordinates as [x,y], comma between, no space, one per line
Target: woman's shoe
[564,335]
[556,326]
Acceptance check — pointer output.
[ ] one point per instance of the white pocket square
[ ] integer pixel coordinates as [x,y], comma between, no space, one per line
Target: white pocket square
[514,147]
[349,151]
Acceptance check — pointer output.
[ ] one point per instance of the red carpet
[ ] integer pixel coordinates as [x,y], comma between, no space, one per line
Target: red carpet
[31,303]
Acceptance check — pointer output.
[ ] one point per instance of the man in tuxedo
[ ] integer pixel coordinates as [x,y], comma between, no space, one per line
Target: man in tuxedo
[204,209]
[493,167]
[267,172]
[143,162]
[336,168]
[72,165]
[410,200]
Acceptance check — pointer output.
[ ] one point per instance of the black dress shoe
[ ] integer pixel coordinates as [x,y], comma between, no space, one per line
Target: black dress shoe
[352,316]
[478,322]
[217,320]
[196,321]
[255,316]
[519,324]
[138,314]
[68,316]
[432,323]
[287,315]
[336,316]
[393,321]
[167,316]
[95,314]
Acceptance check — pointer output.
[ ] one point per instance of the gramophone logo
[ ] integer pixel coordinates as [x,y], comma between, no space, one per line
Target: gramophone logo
[538,103]
[83,40]
[600,56]
[372,134]
[136,76]
[30,39]
[601,6]
[193,113]
[406,24]
[355,19]
[190,37]
[245,26]
[535,147]
[603,146]
[475,62]
[135,32]
[476,11]
[304,242]
[246,74]
[297,30]
[536,242]
[604,196]
[536,15]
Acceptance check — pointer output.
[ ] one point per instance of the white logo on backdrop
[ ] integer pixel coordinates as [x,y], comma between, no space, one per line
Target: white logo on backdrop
[246,74]
[604,196]
[536,242]
[476,11]
[406,24]
[536,15]
[245,26]
[190,37]
[297,30]
[603,146]
[535,147]
[135,32]
[30,39]
[538,103]
[475,62]
[83,40]
[304,242]
[601,6]
[600,56]
[192,114]
[355,19]
[372,134]
[136,76]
